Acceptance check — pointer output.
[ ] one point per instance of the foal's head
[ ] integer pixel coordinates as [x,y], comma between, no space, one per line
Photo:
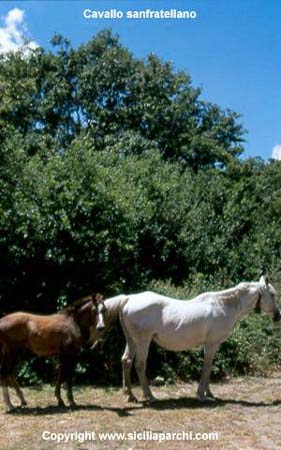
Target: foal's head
[98,312]
[88,313]
[267,298]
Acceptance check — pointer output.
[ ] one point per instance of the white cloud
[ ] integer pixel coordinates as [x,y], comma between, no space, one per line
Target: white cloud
[276,152]
[13,35]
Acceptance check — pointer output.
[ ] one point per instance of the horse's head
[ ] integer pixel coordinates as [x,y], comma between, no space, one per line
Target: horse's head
[267,298]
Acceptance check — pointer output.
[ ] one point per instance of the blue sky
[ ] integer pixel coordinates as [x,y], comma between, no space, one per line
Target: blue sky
[232,50]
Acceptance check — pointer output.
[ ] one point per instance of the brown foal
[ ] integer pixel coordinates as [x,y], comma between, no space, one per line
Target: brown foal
[60,334]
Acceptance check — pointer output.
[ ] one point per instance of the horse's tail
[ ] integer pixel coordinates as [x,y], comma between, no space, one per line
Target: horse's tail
[114,307]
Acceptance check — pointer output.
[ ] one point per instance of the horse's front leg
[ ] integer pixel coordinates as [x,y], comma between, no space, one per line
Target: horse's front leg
[203,389]
[209,393]
[140,364]
[127,361]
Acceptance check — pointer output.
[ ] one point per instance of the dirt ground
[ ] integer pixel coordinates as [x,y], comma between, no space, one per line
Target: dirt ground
[246,416]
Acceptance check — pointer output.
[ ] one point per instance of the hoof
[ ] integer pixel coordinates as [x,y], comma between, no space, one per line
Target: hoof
[151,400]
[10,409]
[61,404]
[24,403]
[209,394]
[201,398]
[131,399]
[73,405]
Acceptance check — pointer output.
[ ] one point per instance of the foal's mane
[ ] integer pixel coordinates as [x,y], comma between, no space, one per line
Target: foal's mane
[73,307]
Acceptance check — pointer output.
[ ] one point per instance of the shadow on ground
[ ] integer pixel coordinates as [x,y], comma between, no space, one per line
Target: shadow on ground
[161,404]
[193,403]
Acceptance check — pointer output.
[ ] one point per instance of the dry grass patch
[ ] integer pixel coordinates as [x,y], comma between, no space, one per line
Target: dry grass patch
[246,416]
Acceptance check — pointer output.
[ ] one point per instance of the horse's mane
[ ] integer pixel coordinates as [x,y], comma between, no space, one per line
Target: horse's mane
[73,307]
[231,295]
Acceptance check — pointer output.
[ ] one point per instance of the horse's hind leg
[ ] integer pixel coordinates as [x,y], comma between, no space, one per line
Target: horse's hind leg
[16,386]
[142,347]
[127,361]
[203,389]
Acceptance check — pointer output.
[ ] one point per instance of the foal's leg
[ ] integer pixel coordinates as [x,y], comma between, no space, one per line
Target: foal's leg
[69,368]
[16,386]
[203,389]
[8,362]
[142,347]
[67,365]
[127,361]
[6,396]
[70,397]
[58,387]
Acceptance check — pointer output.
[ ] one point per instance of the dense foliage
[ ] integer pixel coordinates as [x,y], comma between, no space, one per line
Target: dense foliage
[116,176]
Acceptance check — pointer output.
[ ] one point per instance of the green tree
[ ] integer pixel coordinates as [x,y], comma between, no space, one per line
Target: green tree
[115,176]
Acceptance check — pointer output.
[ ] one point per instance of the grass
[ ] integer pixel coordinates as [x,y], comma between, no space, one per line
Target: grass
[247,415]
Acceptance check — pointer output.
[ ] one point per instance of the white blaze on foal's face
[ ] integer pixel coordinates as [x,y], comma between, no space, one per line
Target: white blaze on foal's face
[100,317]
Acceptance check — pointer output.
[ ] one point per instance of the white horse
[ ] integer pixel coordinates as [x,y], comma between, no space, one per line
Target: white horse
[178,325]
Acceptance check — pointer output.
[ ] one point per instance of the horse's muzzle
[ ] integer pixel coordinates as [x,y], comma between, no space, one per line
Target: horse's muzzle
[277,316]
